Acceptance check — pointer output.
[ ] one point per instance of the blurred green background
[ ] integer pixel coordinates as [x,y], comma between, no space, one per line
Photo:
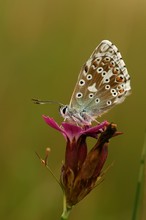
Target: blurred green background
[43,45]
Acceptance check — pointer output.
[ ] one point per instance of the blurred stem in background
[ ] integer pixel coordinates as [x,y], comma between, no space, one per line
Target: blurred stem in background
[143,212]
[66,210]
[139,210]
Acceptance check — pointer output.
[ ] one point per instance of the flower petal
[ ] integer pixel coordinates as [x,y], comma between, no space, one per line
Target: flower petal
[93,131]
[71,130]
[52,123]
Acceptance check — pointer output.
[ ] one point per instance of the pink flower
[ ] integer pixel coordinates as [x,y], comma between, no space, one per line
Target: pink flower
[81,169]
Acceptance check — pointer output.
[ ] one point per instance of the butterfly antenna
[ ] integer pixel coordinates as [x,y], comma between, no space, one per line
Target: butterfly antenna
[41,102]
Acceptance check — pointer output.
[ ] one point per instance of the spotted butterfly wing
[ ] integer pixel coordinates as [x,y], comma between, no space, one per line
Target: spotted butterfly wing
[103,82]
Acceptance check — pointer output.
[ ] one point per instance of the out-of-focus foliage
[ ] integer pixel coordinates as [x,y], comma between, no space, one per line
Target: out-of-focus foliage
[42,47]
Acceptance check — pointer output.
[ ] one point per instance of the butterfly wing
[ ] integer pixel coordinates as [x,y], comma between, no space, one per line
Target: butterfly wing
[103,81]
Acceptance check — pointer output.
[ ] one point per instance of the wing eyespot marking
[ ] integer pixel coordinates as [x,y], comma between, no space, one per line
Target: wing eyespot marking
[97,100]
[109,102]
[79,95]
[81,82]
[89,77]
[91,95]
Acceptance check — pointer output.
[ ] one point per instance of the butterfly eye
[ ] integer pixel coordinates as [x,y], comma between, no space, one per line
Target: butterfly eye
[107,87]
[109,102]
[82,82]
[99,70]
[63,110]
[79,95]
[89,77]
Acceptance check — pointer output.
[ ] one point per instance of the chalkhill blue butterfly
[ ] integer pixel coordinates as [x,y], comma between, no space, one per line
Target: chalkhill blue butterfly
[103,82]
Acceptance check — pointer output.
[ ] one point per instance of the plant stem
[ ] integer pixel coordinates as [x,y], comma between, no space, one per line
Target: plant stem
[44,162]
[143,210]
[66,210]
[53,175]
[137,203]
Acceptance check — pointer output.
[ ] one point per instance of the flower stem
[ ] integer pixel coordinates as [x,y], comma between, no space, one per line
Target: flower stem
[143,210]
[44,162]
[137,202]
[66,210]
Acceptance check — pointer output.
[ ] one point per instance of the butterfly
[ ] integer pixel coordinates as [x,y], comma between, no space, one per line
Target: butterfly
[103,82]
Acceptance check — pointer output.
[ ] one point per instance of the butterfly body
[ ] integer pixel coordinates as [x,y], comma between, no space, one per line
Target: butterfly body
[103,82]
[80,117]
